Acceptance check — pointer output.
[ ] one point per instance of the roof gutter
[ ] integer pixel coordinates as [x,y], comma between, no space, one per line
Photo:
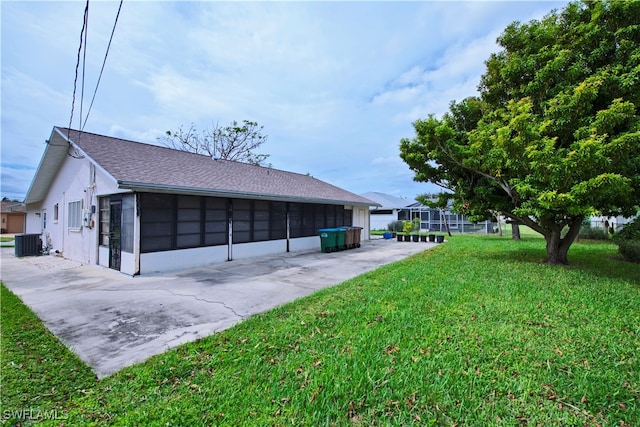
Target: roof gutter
[197,191]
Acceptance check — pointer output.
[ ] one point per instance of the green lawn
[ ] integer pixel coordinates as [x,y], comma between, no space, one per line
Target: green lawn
[7,242]
[474,332]
[40,376]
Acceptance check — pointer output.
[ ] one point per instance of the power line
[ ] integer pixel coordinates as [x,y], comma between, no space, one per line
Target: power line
[84,61]
[103,64]
[75,80]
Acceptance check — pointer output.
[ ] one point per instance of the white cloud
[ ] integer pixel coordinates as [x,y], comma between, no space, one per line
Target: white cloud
[453,76]
[150,136]
[336,84]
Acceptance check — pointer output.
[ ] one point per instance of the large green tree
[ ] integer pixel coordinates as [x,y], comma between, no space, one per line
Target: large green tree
[554,135]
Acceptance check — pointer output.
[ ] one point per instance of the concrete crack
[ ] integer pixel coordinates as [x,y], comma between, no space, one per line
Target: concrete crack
[207,301]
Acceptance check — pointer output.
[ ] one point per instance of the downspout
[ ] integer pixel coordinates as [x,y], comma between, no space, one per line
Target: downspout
[230,231]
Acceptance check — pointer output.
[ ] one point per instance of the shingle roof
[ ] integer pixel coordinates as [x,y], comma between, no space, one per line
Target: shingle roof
[12,206]
[387,200]
[149,167]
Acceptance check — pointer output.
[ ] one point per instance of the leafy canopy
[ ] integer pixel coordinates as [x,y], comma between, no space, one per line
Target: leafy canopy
[236,141]
[554,135]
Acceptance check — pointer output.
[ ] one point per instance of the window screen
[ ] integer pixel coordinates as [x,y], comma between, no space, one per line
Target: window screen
[176,222]
[260,221]
[104,221]
[216,222]
[241,221]
[75,214]
[157,222]
[278,220]
[128,202]
[189,222]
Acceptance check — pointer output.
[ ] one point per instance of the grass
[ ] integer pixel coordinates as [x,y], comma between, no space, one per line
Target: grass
[7,242]
[474,332]
[40,376]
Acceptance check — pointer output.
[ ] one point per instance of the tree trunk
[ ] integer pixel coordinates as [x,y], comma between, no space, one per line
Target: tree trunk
[554,256]
[557,247]
[515,231]
[446,223]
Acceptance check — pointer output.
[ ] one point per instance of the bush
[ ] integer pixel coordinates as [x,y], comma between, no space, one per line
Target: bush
[395,226]
[593,233]
[628,241]
[630,250]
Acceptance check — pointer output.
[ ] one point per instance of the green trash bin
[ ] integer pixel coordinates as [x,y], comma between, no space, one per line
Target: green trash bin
[340,238]
[328,239]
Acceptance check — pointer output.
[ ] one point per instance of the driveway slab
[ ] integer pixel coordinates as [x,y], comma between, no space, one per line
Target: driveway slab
[112,320]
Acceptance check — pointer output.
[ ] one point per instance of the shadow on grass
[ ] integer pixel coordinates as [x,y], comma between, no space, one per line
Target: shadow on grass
[594,258]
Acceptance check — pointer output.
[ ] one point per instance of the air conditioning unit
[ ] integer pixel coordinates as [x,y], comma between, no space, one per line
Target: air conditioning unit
[28,245]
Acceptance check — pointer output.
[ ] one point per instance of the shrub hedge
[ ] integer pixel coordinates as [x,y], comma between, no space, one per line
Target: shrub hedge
[628,241]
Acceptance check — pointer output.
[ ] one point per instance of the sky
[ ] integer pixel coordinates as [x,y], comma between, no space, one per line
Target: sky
[336,85]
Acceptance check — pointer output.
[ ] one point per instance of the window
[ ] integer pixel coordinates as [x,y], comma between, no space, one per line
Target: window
[126,230]
[216,222]
[55,213]
[348,217]
[242,221]
[189,221]
[305,219]
[278,221]
[308,225]
[75,215]
[260,221]
[104,221]
[157,222]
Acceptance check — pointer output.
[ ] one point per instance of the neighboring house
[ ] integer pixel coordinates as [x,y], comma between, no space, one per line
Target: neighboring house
[140,208]
[388,211]
[13,217]
[617,223]
[397,209]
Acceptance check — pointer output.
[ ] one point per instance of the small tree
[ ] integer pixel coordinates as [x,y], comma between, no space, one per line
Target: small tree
[438,201]
[233,142]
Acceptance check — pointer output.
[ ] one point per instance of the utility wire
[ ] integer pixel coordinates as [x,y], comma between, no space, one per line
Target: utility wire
[75,80]
[103,64]
[84,62]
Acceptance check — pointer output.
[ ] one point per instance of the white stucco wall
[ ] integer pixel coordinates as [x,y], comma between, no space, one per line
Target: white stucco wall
[157,262]
[77,180]
[103,256]
[127,263]
[183,258]
[258,249]
[381,221]
[361,218]
[304,244]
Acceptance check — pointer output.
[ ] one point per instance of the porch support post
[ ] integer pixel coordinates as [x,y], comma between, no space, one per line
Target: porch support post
[230,231]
